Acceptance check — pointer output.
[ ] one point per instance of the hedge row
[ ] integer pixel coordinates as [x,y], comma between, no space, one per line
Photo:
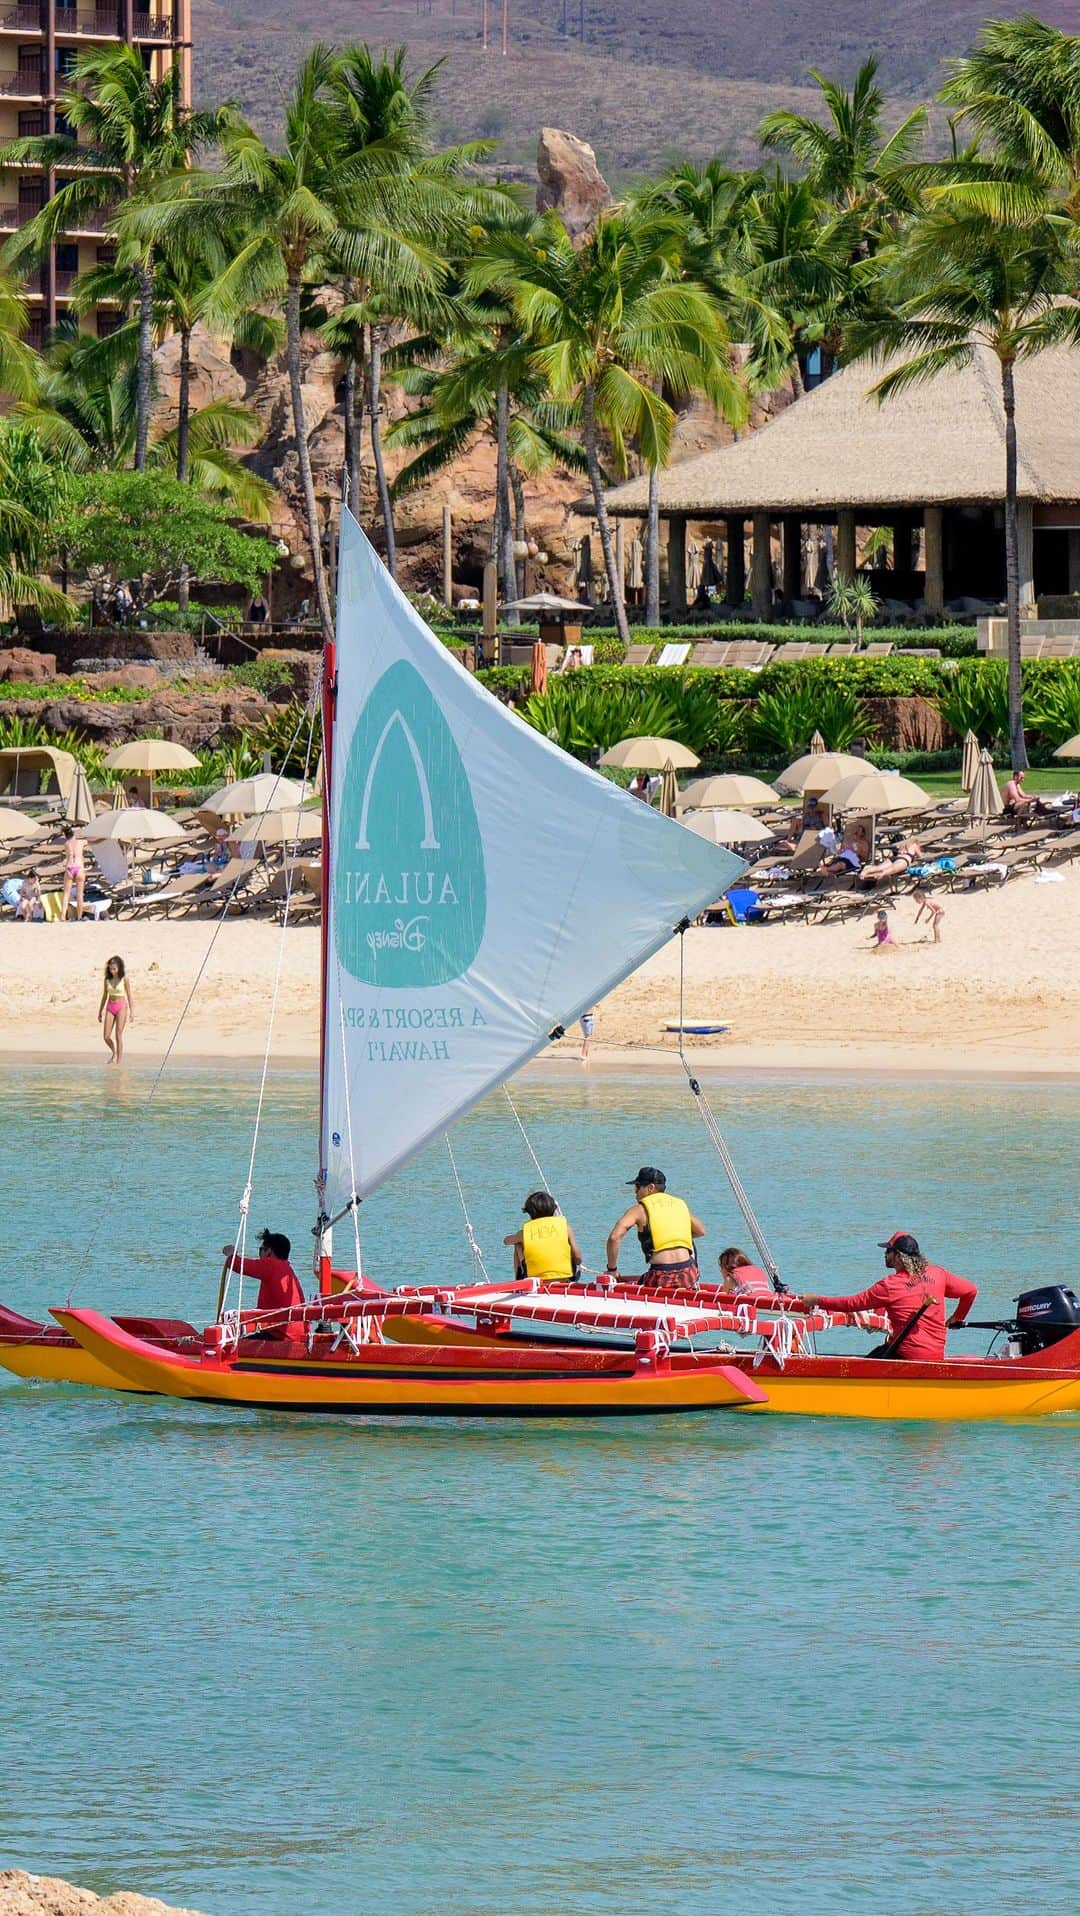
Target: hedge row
[953,641]
[866,678]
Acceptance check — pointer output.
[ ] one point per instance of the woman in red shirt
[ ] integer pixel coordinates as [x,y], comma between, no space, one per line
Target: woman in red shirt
[912,1297]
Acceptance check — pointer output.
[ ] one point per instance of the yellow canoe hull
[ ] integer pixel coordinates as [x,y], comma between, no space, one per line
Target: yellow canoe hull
[62,1364]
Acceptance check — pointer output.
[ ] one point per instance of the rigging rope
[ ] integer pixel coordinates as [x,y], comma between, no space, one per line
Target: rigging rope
[527,1141]
[477,1253]
[716,1138]
[354,1201]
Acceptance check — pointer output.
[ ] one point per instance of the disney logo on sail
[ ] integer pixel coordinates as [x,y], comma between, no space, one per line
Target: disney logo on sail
[403,937]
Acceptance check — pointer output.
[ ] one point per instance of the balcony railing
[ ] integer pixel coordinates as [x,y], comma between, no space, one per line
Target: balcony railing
[146,27]
[65,283]
[23,86]
[103,22]
[12,217]
[22,20]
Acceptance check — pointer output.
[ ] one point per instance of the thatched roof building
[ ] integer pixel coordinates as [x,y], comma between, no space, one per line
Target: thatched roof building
[929,463]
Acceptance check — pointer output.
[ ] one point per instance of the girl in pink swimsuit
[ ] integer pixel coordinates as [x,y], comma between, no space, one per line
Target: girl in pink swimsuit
[74,871]
[116,1009]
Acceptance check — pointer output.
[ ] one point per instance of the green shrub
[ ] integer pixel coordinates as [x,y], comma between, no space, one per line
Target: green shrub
[284,733]
[785,718]
[976,699]
[261,675]
[584,717]
[83,689]
[1053,706]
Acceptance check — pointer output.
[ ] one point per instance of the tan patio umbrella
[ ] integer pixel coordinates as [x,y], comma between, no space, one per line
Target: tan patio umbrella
[817,745]
[814,772]
[970,763]
[985,800]
[669,792]
[650,755]
[15,826]
[150,755]
[79,806]
[290,827]
[873,793]
[733,789]
[266,792]
[726,828]
[1070,749]
[133,825]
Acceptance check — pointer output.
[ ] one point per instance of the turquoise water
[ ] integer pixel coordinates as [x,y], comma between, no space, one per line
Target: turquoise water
[270,1667]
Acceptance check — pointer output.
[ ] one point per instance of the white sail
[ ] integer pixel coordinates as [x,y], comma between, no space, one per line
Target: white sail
[482,887]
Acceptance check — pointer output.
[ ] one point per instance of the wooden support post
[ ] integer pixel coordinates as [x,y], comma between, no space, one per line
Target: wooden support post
[1026,553]
[845,543]
[676,566]
[1074,559]
[761,567]
[620,556]
[447,559]
[490,613]
[735,569]
[934,560]
[792,536]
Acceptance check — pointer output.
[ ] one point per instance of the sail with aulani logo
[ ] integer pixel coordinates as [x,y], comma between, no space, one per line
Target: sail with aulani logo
[484,887]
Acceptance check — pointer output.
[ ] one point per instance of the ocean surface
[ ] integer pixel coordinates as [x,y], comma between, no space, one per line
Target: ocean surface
[290,1667]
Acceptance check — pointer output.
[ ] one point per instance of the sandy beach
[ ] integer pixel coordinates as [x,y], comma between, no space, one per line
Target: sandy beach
[1000,995]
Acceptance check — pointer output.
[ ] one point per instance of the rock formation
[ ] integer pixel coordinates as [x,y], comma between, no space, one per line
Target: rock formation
[23,1895]
[571,183]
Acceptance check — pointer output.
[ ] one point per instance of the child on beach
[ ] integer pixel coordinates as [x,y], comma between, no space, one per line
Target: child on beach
[935,912]
[30,908]
[881,936]
[116,1009]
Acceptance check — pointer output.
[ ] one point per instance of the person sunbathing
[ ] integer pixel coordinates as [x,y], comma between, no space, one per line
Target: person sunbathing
[906,854]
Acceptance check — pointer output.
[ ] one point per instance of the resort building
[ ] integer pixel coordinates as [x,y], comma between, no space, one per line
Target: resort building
[928,465]
[40,41]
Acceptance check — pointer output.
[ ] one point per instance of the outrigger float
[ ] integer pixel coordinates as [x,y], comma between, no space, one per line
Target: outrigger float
[471,870]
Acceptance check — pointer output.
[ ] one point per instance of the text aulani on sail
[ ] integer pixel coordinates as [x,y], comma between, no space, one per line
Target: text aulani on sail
[403,888]
[404,936]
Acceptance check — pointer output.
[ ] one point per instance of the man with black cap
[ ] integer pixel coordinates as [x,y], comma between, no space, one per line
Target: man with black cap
[279,1286]
[912,1297]
[666,1230]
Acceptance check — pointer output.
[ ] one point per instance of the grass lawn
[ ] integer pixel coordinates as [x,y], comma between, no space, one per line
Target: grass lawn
[1048,781]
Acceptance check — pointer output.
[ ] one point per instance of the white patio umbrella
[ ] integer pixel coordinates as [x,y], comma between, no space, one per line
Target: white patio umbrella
[732,789]
[150,755]
[814,772]
[132,825]
[15,826]
[726,828]
[650,755]
[970,762]
[266,792]
[291,827]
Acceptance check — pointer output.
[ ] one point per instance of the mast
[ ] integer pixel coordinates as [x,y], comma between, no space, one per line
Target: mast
[329,705]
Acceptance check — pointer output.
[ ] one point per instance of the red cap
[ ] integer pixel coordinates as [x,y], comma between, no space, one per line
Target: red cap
[901,1241]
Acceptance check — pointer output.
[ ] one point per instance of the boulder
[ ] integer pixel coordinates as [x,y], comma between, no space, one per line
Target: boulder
[213,375]
[571,183]
[25,1895]
[19,663]
[129,678]
[300,674]
[102,724]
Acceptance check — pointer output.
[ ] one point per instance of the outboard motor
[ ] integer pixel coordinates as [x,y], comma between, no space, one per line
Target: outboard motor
[1044,1317]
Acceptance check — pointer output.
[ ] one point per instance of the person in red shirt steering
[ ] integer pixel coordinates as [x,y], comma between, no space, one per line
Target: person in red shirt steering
[912,1297]
[279,1286]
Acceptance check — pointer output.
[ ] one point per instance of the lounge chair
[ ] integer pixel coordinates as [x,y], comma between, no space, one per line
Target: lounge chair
[672,654]
[880,649]
[638,654]
[711,652]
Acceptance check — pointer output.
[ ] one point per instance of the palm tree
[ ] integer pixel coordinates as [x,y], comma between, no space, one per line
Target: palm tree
[613,322]
[19,363]
[1020,89]
[960,279]
[848,160]
[138,134]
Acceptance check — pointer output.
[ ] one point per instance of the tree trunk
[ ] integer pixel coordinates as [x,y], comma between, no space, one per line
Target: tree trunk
[307,483]
[596,478]
[183,427]
[144,388]
[385,507]
[1017,742]
[652,552]
[517,486]
[354,409]
[505,549]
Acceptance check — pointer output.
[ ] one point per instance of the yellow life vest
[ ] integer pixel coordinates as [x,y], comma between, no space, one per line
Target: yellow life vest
[545,1246]
[669,1227]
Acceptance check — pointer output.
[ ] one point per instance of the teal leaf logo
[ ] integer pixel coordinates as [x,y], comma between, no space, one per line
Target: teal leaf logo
[409,886]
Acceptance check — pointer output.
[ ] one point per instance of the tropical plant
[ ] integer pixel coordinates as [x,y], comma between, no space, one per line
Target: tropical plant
[614,323]
[585,718]
[135,132]
[1020,89]
[1055,706]
[961,279]
[848,159]
[784,720]
[30,494]
[291,738]
[976,698]
[227,764]
[854,603]
[132,525]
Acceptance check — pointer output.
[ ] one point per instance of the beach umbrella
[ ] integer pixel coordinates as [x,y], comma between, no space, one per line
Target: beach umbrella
[970,762]
[635,577]
[669,792]
[814,772]
[873,792]
[266,792]
[79,808]
[1070,749]
[133,825]
[726,827]
[15,826]
[817,745]
[650,755]
[150,755]
[280,828]
[733,789]
[538,670]
[544,602]
[985,800]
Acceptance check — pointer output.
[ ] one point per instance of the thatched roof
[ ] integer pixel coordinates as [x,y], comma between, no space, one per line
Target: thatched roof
[942,443]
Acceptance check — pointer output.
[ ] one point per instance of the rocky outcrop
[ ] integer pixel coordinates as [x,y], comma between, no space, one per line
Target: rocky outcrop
[24,1895]
[20,666]
[571,183]
[213,375]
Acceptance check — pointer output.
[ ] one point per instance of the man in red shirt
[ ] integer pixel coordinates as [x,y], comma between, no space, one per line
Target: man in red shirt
[279,1286]
[912,1297]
